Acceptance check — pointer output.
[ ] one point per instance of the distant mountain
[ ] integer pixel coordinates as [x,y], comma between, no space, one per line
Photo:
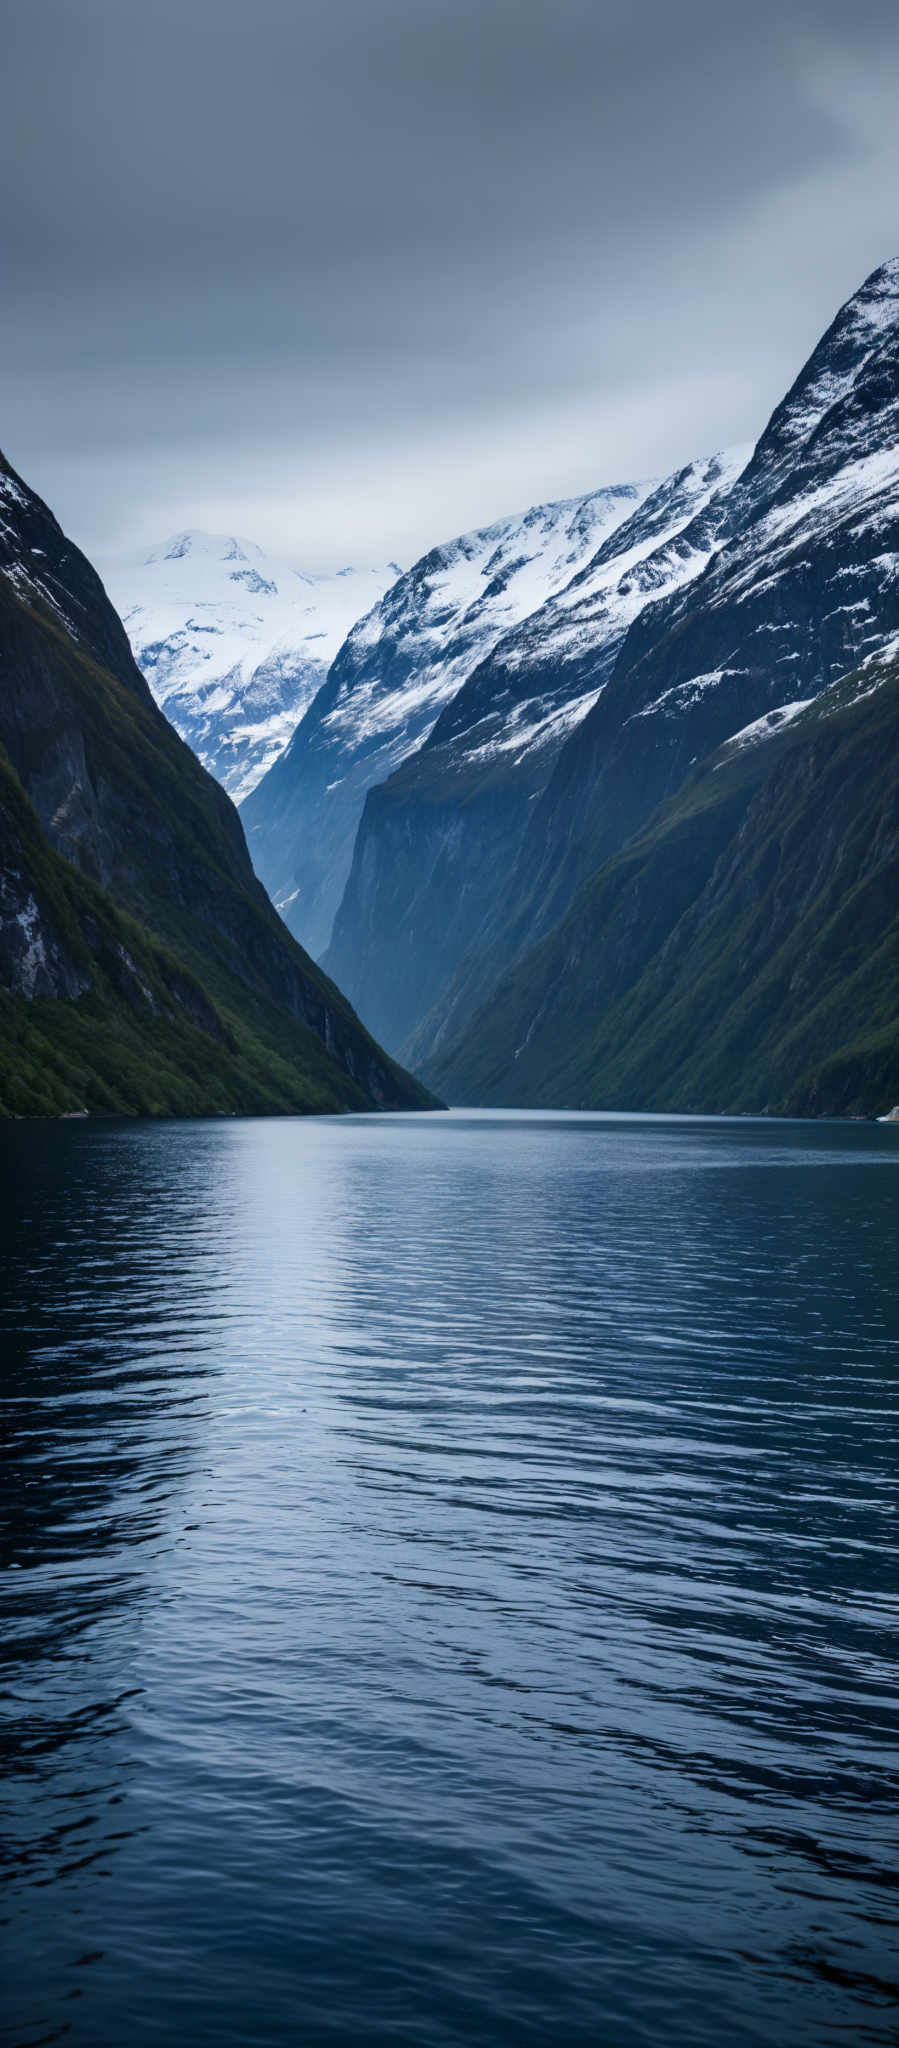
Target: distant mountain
[400,666]
[439,840]
[740,953]
[234,643]
[797,581]
[142,968]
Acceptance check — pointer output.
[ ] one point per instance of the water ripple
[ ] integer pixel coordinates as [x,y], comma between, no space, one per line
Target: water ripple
[451,1582]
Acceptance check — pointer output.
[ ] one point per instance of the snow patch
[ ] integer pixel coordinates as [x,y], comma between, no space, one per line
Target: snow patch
[765,727]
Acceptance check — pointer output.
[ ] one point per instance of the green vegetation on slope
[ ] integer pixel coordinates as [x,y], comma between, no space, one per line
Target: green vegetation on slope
[742,953]
[142,1037]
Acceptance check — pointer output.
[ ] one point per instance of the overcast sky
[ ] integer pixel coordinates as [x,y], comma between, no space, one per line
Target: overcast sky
[349,276]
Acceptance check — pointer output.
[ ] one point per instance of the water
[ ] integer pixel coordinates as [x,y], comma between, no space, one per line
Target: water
[454,1574]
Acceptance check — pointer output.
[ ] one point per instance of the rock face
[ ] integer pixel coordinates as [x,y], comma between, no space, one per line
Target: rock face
[778,583]
[142,964]
[400,666]
[439,840]
[741,953]
[235,644]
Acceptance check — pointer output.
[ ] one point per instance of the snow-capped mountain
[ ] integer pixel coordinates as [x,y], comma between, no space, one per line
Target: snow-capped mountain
[780,582]
[234,643]
[399,667]
[801,591]
[467,794]
[546,674]
[803,585]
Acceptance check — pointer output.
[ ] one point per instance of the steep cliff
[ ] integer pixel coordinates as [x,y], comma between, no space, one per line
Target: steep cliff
[129,905]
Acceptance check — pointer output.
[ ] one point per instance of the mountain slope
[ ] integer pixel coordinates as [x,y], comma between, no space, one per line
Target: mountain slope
[438,840]
[798,580]
[128,899]
[804,583]
[234,644]
[400,666]
[742,953]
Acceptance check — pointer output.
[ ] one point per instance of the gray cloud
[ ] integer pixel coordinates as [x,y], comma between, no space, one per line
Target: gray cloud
[348,276]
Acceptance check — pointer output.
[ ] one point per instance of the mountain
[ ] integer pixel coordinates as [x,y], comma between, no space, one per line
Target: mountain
[439,839]
[803,584]
[402,663]
[234,643]
[796,582]
[142,967]
[740,953]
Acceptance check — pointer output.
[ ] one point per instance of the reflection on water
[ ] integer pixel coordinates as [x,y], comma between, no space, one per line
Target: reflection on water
[452,1575]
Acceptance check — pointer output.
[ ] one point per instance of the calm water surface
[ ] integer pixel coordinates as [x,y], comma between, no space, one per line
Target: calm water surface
[453,1575]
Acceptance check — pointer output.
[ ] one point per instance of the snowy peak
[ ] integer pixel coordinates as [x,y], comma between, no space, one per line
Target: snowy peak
[235,642]
[216,547]
[861,328]
[801,588]
[804,579]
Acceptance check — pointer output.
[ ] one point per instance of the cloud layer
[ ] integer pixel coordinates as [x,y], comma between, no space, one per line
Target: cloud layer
[349,277]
